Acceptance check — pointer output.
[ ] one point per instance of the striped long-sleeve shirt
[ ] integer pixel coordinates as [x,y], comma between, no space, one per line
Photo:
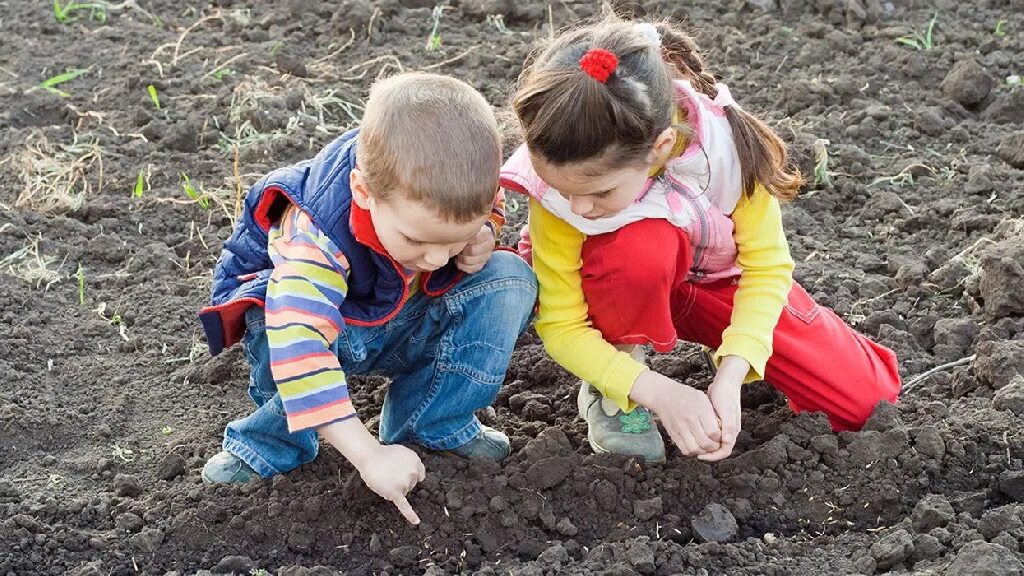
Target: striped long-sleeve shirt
[303,316]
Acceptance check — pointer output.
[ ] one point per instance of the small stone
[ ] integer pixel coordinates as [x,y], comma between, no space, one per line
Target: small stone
[932,511]
[646,509]
[1011,483]
[170,466]
[404,556]
[926,547]
[1007,540]
[128,522]
[565,527]
[548,473]
[375,546]
[235,565]
[1011,149]
[1002,273]
[967,83]
[556,554]
[182,137]
[893,549]
[127,485]
[1011,396]
[928,442]
[885,416]
[997,362]
[1002,519]
[714,524]
[984,558]
[1007,108]
[641,556]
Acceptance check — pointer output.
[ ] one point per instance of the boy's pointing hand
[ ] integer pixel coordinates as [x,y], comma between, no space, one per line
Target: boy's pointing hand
[392,471]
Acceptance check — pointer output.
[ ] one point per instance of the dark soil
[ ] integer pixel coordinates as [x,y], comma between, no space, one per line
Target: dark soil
[109,404]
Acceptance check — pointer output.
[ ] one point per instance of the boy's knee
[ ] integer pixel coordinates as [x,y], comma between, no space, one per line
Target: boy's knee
[882,389]
[517,277]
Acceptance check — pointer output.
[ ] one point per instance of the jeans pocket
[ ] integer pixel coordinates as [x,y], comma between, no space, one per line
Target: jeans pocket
[801,306]
[349,348]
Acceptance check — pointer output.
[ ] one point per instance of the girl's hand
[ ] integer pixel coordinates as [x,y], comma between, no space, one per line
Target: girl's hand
[476,254]
[687,413]
[724,394]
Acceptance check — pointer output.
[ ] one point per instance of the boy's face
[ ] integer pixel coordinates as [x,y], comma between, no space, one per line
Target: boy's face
[414,235]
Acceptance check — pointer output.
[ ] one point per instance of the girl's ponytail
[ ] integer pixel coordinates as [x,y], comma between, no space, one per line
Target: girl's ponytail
[762,154]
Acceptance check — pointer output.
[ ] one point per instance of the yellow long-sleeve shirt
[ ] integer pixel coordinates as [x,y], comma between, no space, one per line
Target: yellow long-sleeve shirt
[563,320]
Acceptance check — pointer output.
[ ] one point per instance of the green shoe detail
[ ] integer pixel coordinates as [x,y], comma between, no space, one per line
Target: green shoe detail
[636,422]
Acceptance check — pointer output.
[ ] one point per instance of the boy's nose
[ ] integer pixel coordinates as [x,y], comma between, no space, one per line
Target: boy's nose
[436,258]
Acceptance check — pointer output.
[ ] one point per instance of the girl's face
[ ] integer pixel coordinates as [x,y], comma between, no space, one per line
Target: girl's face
[596,191]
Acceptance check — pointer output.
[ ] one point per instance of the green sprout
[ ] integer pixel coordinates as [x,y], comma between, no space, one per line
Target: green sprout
[276,47]
[1014,80]
[202,199]
[167,430]
[822,176]
[153,96]
[81,285]
[69,12]
[222,73]
[434,39]
[140,184]
[51,83]
[1000,30]
[919,42]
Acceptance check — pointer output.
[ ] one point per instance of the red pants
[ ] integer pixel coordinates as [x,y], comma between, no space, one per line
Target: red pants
[634,284]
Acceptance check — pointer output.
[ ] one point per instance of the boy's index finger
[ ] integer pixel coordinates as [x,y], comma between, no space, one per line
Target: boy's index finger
[406,509]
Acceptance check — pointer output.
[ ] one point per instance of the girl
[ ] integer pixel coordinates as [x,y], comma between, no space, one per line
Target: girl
[654,215]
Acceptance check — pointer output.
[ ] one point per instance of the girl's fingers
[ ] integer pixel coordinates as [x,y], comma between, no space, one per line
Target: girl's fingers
[689,443]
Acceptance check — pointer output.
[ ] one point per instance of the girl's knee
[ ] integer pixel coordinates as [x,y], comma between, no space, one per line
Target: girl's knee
[649,254]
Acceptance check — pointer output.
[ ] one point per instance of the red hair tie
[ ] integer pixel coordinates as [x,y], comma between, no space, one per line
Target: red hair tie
[599,64]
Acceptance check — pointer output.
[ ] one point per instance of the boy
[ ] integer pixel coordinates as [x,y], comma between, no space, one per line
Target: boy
[374,256]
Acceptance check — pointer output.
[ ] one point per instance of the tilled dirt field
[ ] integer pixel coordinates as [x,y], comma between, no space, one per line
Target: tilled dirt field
[112,211]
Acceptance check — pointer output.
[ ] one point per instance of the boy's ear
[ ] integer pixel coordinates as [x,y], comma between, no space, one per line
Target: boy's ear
[360,192]
[665,142]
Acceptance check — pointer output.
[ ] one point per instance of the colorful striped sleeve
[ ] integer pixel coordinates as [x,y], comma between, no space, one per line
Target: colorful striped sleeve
[497,218]
[303,316]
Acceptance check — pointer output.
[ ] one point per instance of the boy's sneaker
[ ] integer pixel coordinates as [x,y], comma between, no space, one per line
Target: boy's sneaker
[610,430]
[489,443]
[226,468]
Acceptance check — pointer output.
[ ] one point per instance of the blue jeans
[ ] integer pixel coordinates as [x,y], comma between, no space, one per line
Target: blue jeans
[446,357]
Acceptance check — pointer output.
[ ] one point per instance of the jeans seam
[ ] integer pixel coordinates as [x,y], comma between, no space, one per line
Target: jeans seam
[493,285]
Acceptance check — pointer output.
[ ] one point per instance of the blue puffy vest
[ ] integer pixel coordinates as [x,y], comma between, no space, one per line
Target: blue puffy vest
[320,188]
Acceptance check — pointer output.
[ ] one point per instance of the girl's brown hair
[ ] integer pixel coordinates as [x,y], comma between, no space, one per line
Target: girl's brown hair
[568,116]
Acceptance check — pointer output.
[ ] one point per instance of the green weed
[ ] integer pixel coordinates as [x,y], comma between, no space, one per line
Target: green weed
[276,47]
[434,39]
[51,83]
[1000,30]
[72,10]
[822,176]
[153,96]
[81,285]
[918,41]
[200,198]
[167,430]
[140,184]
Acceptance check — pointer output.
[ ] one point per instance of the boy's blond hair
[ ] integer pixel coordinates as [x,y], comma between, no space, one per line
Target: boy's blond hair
[433,139]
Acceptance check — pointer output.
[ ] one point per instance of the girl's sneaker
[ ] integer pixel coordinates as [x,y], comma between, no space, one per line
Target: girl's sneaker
[610,430]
